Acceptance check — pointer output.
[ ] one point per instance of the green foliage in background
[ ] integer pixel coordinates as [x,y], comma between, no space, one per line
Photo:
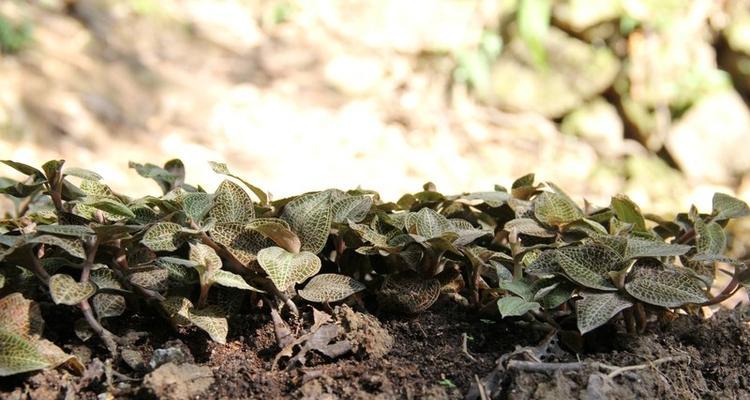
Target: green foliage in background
[196,258]
[14,37]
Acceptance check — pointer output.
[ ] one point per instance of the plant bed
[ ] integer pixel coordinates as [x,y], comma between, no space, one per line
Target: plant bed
[514,293]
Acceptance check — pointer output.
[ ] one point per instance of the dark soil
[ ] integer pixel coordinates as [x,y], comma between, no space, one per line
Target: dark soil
[425,362]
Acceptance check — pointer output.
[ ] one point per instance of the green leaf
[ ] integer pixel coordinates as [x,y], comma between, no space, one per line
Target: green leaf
[528,226]
[196,205]
[24,169]
[519,287]
[278,231]
[20,316]
[177,310]
[74,247]
[107,305]
[105,278]
[285,268]
[221,168]
[726,207]
[65,290]
[163,236]
[545,263]
[111,207]
[206,260]
[555,295]
[428,223]
[648,248]
[240,240]
[52,170]
[666,288]
[555,209]
[78,231]
[590,264]
[533,24]
[709,237]
[492,199]
[229,279]
[408,293]
[354,208]
[94,188]
[512,306]
[156,279]
[596,309]
[309,216]
[629,212]
[21,190]
[232,204]
[163,178]
[18,354]
[212,320]
[82,173]
[328,288]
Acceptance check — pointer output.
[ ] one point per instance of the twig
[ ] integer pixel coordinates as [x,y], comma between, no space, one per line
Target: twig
[465,347]
[619,370]
[480,388]
[532,366]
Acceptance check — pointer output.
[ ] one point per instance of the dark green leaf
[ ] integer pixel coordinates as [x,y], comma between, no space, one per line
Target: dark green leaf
[596,309]
[590,264]
[666,288]
[512,306]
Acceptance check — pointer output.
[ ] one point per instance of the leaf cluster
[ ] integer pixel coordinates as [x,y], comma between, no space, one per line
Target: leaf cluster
[198,257]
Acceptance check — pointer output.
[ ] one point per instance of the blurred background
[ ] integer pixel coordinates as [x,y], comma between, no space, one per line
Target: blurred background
[644,97]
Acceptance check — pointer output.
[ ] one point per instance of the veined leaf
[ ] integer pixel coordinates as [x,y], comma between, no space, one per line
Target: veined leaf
[545,263]
[726,207]
[528,226]
[163,236]
[285,268]
[107,305]
[328,288]
[590,264]
[555,209]
[596,309]
[74,247]
[709,237]
[240,240]
[309,216]
[20,316]
[196,205]
[78,231]
[211,319]
[512,306]
[354,208]
[648,248]
[629,212]
[82,173]
[206,260]
[156,279]
[65,290]
[18,354]
[232,204]
[221,168]
[111,207]
[428,223]
[666,288]
[278,231]
[408,293]
[229,279]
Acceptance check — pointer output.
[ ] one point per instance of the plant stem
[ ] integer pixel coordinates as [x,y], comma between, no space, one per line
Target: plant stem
[109,339]
[686,237]
[38,269]
[732,287]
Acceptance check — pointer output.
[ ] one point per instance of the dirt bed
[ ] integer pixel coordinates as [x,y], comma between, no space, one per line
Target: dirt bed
[709,359]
